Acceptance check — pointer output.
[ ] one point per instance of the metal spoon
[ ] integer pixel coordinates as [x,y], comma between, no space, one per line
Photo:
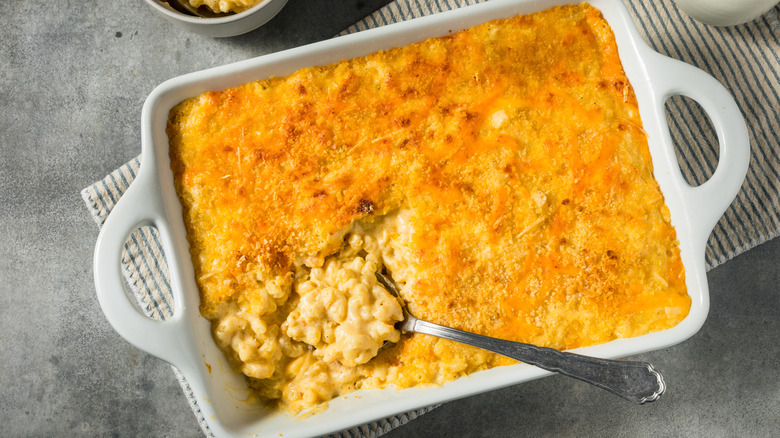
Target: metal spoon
[638,382]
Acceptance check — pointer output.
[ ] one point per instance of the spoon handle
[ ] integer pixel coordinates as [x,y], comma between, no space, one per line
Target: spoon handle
[638,382]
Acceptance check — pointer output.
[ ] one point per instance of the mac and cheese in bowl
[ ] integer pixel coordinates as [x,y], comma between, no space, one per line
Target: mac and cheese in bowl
[225,6]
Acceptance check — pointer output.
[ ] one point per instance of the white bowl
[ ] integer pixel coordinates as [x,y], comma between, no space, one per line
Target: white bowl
[185,339]
[725,12]
[227,26]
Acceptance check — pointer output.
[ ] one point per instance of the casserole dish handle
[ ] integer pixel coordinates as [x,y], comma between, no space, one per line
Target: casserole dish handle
[709,201]
[139,206]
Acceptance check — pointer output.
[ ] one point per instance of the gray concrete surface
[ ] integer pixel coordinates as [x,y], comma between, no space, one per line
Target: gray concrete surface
[73,79]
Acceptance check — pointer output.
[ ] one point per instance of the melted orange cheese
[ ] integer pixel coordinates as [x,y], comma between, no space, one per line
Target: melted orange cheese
[517,145]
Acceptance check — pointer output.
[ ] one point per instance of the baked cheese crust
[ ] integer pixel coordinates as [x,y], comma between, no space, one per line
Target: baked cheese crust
[500,174]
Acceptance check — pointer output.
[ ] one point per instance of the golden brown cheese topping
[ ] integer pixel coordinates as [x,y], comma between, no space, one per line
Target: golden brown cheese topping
[500,175]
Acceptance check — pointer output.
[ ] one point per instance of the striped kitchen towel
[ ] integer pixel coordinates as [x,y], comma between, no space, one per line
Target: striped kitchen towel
[745,58]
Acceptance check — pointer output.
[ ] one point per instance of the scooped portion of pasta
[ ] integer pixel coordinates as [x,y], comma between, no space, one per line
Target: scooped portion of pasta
[343,313]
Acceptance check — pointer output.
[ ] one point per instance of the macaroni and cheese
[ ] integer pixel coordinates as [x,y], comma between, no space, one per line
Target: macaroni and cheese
[225,6]
[499,175]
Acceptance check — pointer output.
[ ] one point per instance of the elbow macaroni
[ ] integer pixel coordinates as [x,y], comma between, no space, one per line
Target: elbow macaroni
[343,312]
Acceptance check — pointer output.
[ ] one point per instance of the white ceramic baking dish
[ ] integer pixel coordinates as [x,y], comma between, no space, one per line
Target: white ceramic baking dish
[185,339]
